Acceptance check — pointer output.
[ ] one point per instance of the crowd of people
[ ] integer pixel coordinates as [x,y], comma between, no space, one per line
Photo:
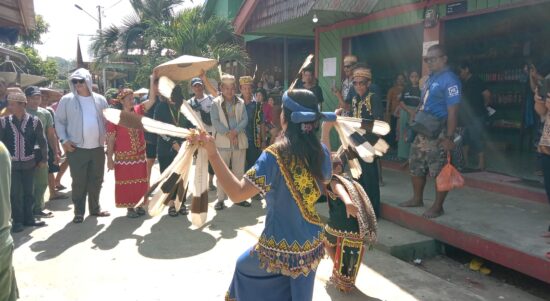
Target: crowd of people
[256,151]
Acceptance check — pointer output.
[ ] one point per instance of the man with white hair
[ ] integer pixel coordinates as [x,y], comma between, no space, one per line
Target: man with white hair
[229,121]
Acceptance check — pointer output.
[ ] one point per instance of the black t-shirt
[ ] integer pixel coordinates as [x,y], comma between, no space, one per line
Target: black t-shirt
[472,104]
[168,113]
[411,96]
[315,89]
[151,138]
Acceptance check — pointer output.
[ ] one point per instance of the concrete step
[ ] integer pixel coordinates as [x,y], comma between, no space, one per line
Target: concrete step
[405,244]
[493,182]
[500,228]
[398,241]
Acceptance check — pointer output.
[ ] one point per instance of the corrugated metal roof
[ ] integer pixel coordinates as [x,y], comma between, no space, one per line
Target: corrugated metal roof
[18,14]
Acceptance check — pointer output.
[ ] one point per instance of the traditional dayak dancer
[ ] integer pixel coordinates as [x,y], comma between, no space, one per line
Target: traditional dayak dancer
[128,147]
[367,105]
[289,174]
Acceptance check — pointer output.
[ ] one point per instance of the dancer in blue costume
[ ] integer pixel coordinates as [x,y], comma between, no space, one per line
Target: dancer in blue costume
[289,174]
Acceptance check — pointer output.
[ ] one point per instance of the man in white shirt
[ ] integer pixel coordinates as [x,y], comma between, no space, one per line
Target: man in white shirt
[202,104]
[80,126]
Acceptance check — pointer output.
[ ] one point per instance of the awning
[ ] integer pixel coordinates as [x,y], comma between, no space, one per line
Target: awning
[18,14]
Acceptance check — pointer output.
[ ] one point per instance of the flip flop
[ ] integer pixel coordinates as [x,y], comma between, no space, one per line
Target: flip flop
[476,264]
[219,206]
[78,219]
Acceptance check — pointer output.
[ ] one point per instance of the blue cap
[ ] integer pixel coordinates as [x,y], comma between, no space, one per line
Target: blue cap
[196,80]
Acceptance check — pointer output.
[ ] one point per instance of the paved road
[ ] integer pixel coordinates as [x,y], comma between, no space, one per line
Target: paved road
[162,258]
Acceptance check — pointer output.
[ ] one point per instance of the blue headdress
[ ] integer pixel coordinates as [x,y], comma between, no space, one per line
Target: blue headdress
[301,114]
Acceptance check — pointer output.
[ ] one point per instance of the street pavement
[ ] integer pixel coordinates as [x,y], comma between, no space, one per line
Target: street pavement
[164,258]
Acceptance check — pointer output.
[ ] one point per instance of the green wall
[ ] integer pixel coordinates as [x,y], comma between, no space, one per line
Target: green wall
[330,43]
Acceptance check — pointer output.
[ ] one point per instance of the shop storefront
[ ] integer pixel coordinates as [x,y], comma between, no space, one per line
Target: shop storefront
[500,46]
[497,37]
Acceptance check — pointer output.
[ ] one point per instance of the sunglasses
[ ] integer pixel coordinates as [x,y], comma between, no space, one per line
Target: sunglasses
[432,59]
[362,83]
[348,66]
[78,81]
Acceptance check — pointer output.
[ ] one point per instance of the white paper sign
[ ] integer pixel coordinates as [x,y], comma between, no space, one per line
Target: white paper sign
[329,66]
[427,45]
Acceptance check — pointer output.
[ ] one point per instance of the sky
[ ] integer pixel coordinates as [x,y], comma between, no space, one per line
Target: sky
[67,23]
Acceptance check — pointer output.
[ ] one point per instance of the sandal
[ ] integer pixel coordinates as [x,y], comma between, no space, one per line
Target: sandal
[132,213]
[183,210]
[172,211]
[141,211]
[243,204]
[219,205]
[101,214]
[78,219]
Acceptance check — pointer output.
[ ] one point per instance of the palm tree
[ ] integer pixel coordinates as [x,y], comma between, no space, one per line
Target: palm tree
[156,34]
[137,30]
[194,33]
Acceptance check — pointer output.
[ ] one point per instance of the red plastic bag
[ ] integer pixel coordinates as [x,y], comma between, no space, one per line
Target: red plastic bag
[449,178]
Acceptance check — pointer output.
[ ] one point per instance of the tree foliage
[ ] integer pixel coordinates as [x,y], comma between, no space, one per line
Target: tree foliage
[153,34]
[34,35]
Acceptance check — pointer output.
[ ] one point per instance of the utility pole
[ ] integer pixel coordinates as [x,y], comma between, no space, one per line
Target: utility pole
[98,20]
[103,75]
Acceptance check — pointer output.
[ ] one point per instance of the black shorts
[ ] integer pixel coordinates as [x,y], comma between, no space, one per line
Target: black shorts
[151,151]
[52,168]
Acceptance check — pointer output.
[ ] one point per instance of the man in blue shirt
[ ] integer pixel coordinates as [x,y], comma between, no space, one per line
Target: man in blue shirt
[440,96]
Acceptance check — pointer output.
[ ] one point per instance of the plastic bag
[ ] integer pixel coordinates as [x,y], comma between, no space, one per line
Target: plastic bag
[449,178]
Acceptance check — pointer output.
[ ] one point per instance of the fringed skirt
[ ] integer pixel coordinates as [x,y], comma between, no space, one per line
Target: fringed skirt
[252,283]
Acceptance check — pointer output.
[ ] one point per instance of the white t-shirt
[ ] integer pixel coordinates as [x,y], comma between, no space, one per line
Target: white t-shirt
[90,123]
[206,106]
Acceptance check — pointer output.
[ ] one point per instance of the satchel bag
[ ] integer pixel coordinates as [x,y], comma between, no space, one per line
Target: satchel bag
[427,124]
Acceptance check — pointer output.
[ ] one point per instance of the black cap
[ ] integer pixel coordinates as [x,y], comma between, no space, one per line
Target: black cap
[32,90]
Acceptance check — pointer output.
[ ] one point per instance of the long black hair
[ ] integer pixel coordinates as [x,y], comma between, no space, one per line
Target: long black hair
[297,143]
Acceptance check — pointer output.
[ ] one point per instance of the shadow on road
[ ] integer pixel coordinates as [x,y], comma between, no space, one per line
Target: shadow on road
[171,238]
[71,235]
[121,228]
[355,295]
[61,204]
[235,217]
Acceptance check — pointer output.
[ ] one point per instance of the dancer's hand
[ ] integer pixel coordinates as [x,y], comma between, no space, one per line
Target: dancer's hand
[205,141]
[351,210]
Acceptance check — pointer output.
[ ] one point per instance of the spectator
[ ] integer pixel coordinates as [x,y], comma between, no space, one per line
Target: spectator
[128,147]
[34,98]
[8,283]
[53,167]
[367,104]
[229,120]
[255,129]
[168,111]
[79,112]
[309,82]
[373,87]
[260,87]
[392,106]
[410,100]
[277,88]
[542,107]
[472,113]
[440,98]
[3,97]
[150,138]
[347,83]
[202,103]
[21,126]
